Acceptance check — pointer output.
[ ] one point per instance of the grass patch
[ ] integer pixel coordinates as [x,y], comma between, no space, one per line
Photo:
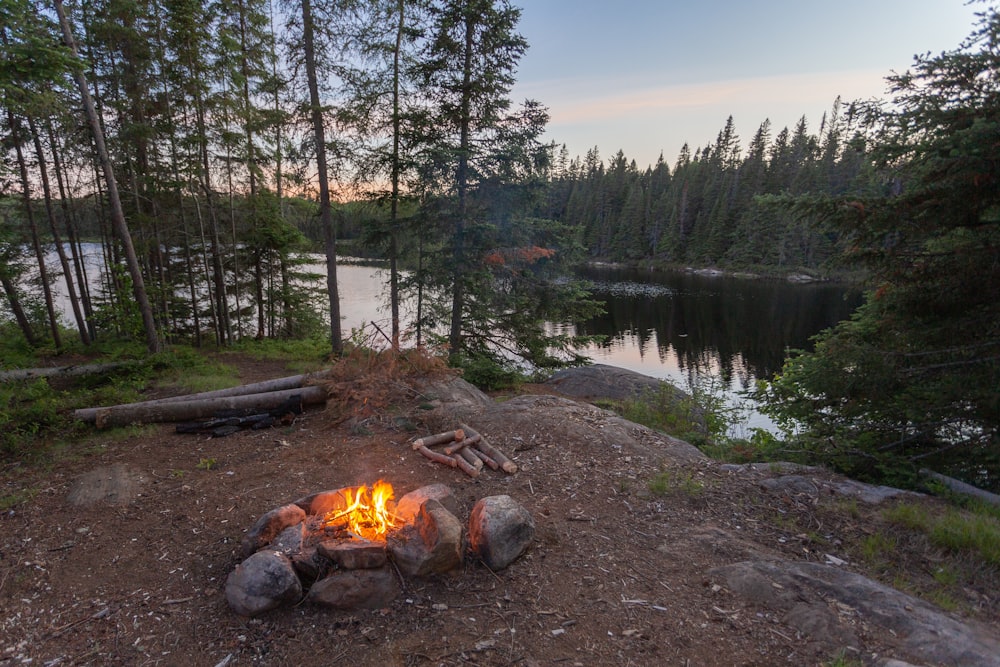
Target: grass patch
[665,409]
[878,548]
[953,529]
[188,371]
[668,482]
[302,355]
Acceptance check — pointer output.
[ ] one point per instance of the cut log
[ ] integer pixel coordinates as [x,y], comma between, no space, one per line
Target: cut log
[485,447]
[465,466]
[281,384]
[438,438]
[437,457]
[121,415]
[278,384]
[485,459]
[63,371]
[470,458]
[460,445]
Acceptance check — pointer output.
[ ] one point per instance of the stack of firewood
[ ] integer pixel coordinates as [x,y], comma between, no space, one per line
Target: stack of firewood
[465,449]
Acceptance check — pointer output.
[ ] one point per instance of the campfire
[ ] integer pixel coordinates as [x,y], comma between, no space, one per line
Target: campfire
[354,547]
[368,514]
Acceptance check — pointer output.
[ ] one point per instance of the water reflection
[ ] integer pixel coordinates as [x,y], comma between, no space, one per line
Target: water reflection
[690,328]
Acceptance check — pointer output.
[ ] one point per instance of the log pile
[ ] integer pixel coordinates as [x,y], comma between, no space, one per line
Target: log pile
[464,449]
[247,404]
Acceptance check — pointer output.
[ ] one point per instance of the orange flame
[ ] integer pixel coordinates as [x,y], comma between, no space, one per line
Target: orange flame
[367,513]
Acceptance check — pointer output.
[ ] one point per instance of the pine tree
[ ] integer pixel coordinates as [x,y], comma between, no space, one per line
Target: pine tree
[911,379]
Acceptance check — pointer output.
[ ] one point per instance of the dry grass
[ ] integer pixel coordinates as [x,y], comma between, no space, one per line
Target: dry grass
[366,381]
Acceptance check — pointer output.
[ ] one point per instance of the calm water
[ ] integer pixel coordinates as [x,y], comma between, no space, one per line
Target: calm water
[696,330]
[690,329]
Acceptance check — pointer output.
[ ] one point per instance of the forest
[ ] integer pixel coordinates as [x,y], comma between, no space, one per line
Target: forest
[213,114]
[208,146]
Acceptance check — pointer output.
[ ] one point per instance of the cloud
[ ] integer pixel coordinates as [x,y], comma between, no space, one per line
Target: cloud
[580,102]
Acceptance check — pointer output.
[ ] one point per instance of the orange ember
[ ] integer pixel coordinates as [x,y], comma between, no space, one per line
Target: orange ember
[367,513]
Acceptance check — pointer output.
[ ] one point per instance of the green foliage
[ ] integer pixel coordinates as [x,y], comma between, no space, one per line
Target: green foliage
[671,411]
[911,380]
[488,373]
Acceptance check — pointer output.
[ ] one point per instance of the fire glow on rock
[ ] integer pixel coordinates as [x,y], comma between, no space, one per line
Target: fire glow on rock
[367,513]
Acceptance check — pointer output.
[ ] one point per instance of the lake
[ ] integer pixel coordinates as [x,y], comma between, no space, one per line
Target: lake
[690,329]
[709,330]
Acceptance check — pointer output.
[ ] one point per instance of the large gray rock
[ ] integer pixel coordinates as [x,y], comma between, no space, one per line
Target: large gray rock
[598,381]
[500,529]
[524,422]
[431,544]
[355,589]
[264,581]
[803,592]
[270,526]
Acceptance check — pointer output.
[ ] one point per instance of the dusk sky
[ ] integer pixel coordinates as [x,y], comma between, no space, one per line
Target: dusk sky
[646,76]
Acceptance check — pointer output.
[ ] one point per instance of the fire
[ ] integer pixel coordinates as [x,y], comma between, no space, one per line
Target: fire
[367,513]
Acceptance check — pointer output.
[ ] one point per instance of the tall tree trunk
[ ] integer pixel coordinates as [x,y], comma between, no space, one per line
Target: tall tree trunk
[76,250]
[462,185]
[325,212]
[117,214]
[43,274]
[43,171]
[10,291]
[223,326]
[394,204]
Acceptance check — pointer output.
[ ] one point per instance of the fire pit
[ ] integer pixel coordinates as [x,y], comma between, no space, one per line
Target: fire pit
[353,548]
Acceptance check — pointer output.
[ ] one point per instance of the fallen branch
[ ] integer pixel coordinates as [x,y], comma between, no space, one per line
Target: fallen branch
[147,413]
[279,384]
[961,488]
[63,371]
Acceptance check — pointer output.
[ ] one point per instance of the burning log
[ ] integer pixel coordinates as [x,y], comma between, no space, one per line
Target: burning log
[439,458]
[492,452]
[459,446]
[438,438]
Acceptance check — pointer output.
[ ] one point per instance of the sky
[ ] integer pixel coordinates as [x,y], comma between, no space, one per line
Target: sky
[647,76]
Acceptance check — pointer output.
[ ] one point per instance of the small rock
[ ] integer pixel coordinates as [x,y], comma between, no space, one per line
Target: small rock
[500,529]
[270,526]
[356,589]
[430,544]
[354,554]
[264,581]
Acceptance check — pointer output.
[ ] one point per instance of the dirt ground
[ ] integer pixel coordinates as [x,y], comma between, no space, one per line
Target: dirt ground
[617,575]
